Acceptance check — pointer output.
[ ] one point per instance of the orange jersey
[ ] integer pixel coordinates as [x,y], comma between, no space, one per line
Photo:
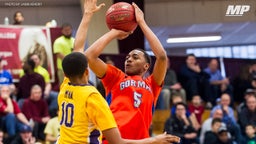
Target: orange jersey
[132,101]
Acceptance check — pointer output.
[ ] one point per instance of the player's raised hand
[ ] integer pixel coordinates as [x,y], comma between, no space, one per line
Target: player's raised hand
[90,6]
[166,139]
[138,13]
[120,35]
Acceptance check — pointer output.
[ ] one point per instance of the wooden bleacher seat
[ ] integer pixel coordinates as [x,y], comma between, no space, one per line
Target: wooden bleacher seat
[159,118]
[206,115]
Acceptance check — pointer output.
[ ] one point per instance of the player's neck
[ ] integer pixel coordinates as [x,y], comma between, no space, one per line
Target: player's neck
[78,81]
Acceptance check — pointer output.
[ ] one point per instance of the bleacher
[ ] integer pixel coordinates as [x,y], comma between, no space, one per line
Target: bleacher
[160,116]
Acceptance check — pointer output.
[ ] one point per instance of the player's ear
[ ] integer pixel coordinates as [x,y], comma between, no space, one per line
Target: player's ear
[86,72]
[146,66]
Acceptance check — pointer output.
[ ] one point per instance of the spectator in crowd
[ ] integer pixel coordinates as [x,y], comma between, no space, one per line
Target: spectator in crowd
[196,107]
[11,116]
[18,18]
[108,60]
[24,136]
[225,107]
[248,113]
[253,81]
[27,81]
[223,136]
[229,117]
[180,125]
[194,80]
[171,85]
[52,129]
[218,84]
[206,126]
[62,46]
[36,109]
[1,136]
[250,134]
[177,98]
[49,95]
[247,93]
[243,81]
[6,77]
[211,137]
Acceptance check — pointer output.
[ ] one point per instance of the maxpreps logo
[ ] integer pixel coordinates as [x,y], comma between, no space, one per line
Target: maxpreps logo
[237,10]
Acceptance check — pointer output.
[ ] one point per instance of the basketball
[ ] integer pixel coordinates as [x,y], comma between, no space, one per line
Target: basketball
[121,16]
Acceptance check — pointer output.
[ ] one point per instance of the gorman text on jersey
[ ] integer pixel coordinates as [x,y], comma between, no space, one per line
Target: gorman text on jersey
[139,84]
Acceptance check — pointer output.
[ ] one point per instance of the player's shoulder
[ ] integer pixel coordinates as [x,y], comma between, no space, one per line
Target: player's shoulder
[88,90]
[114,71]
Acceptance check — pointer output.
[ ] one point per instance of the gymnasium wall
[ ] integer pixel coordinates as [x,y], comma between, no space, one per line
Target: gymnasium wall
[39,12]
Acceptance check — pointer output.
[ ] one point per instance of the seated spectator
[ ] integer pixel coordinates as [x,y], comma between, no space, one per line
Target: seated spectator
[35,108]
[211,137]
[171,85]
[6,77]
[247,94]
[223,136]
[194,80]
[1,136]
[248,113]
[250,134]
[218,84]
[27,81]
[229,117]
[49,95]
[243,81]
[180,125]
[52,129]
[108,60]
[11,116]
[225,107]
[177,98]
[24,136]
[207,124]
[196,108]
[253,81]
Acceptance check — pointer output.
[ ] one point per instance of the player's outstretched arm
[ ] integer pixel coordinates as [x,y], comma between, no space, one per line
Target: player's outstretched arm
[90,7]
[157,48]
[93,52]
[159,139]
[113,136]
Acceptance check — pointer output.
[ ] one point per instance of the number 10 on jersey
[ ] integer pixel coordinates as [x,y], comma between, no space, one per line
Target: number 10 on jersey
[67,117]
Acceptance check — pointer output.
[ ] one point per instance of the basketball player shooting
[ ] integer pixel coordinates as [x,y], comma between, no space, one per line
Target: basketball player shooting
[83,113]
[133,95]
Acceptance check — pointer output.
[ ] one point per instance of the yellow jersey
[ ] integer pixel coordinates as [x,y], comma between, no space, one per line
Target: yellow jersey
[83,114]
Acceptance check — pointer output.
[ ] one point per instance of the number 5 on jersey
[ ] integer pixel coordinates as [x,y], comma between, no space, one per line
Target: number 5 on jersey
[137,99]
